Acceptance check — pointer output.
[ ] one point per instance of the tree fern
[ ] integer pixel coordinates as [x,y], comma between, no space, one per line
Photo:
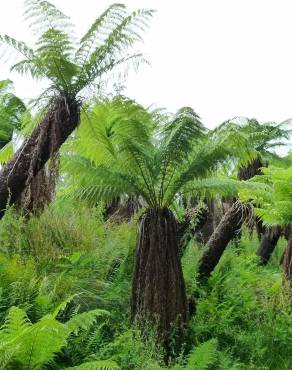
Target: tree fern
[70,66]
[138,157]
[274,205]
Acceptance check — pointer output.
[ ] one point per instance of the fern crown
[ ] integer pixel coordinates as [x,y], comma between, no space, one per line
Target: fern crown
[71,66]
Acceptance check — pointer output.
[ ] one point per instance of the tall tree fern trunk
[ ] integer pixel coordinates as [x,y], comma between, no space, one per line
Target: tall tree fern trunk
[228,229]
[43,143]
[193,220]
[40,192]
[268,244]
[211,222]
[287,259]
[158,290]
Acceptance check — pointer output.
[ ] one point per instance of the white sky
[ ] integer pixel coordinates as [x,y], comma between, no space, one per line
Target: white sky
[224,58]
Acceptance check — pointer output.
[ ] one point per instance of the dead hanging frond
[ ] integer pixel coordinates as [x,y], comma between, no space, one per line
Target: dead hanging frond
[244,212]
[253,168]
[41,191]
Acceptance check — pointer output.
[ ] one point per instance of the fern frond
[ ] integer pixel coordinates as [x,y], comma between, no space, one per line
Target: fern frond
[203,356]
[113,49]
[84,320]
[18,46]
[96,365]
[15,323]
[41,341]
[99,30]
[42,15]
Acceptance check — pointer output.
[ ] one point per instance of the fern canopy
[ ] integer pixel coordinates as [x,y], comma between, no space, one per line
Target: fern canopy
[124,150]
[256,140]
[72,65]
[273,206]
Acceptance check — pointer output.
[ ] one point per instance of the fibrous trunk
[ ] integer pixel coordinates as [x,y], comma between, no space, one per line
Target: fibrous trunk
[122,211]
[193,221]
[43,143]
[268,244]
[228,229]
[252,169]
[40,192]
[158,290]
[287,260]
[212,219]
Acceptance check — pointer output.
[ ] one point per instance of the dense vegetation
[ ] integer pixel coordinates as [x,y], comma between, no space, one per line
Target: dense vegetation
[133,238]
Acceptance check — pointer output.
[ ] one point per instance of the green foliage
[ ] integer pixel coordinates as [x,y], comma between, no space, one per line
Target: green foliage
[122,150]
[12,110]
[81,285]
[71,67]
[96,365]
[247,309]
[256,140]
[37,344]
[275,204]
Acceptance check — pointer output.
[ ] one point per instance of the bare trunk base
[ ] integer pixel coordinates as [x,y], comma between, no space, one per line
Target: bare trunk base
[158,290]
[268,244]
[228,229]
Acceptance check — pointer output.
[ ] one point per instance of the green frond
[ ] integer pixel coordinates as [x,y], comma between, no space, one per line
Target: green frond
[94,183]
[99,30]
[113,50]
[218,187]
[71,67]
[203,356]
[42,15]
[273,206]
[61,307]
[18,46]
[15,323]
[206,157]
[53,56]
[41,341]
[96,365]
[12,110]
[84,320]
[6,152]
[178,138]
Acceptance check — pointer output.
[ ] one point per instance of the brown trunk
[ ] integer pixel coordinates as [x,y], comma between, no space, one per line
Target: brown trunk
[158,290]
[260,228]
[193,221]
[45,140]
[252,169]
[227,230]
[287,260]
[120,212]
[210,224]
[41,190]
[268,244]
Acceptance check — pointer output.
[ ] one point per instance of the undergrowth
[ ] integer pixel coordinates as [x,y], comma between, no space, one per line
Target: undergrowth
[70,263]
